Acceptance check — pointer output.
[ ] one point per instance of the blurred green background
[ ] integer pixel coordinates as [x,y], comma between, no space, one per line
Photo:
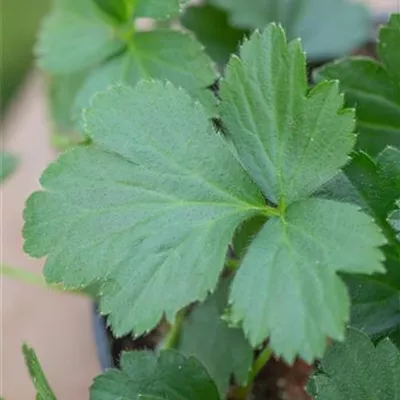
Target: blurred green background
[20,20]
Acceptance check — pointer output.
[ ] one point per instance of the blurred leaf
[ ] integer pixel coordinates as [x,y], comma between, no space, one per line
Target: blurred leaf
[326,27]
[221,349]
[159,54]
[74,37]
[394,219]
[62,93]
[212,29]
[8,163]
[117,9]
[375,306]
[157,9]
[374,88]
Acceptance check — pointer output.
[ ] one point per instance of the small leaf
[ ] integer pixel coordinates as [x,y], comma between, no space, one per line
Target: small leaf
[290,140]
[8,163]
[222,350]
[150,208]
[374,87]
[357,370]
[211,27]
[288,277]
[157,9]
[74,37]
[326,27]
[117,9]
[394,219]
[161,54]
[144,375]
[43,389]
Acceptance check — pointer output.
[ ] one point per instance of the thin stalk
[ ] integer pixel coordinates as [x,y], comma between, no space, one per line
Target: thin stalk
[33,279]
[172,338]
[241,393]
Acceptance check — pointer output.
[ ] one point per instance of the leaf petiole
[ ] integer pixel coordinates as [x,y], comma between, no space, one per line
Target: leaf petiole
[172,338]
[33,279]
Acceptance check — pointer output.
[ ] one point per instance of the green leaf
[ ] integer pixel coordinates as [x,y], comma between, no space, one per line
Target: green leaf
[212,29]
[8,163]
[120,10]
[377,181]
[375,306]
[150,208]
[288,276]
[43,389]
[221,349]
[144,375]
[157,9]
[326,27]
[290,140]
[374,87]
[75,37]
[161,54]
[62,93]
[388,47]
[358,370]
[368,86]
[394,219]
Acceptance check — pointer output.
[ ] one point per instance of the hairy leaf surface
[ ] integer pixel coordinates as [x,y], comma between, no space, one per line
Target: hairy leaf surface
[149,209]
[143,375]
[287,288]
[289,140]
[357,370]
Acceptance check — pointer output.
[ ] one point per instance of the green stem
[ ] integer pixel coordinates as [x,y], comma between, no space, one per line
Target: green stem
[33,279]
[259,364]
[241,393]
[173,335]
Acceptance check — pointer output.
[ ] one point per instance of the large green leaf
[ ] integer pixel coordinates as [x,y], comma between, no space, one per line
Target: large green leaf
[43,389]
[288,276]
[223,350]
[150,208]
[374,87]
[8,163]
[394,219]
[326,27]
[211,27]
[143,375]
[289,140]
[358,370]
[74,37]
[161,54]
